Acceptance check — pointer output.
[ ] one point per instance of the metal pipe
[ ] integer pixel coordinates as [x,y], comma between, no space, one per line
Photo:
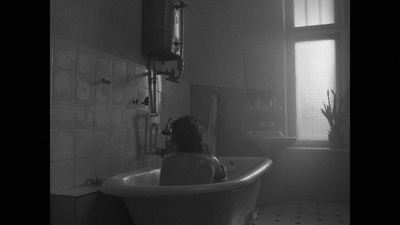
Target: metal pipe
[146,122]
[155,135]
[150,114]
[181,28]
[154,103]
[150,138]
[150,75]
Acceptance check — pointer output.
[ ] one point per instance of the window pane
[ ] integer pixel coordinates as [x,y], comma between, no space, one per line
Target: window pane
[315,68]
[327,12]
[300,13]
[313,12]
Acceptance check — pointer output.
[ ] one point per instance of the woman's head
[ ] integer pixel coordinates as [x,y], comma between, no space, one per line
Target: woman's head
[188,135]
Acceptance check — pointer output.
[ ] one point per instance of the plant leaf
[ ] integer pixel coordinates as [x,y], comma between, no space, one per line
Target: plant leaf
[329,101]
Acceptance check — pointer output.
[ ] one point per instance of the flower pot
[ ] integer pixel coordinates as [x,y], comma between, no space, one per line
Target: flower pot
[336,140]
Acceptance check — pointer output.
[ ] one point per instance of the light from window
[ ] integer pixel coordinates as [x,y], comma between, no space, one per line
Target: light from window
[313,12]
[315,69]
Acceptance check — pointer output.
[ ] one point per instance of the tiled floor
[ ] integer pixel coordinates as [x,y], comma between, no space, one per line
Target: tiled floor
[304,213]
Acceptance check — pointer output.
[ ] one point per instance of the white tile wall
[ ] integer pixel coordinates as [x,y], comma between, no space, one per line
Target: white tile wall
[117,117]
[118,70]
[62,144]
[118,141]
[64,54]
[101,166]
[84,169]
[84,87]
[84,143]
[131,95]
[95,129]
[103,91]
[102,65]
[102,116]
[62,174]
[102,141]
[63,85]
[85,59]
[63,115]
[84,115]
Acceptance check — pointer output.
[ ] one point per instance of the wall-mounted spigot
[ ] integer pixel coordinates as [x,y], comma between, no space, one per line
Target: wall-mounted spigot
[168,127]
[170,74]
[95,181]
[181,5]
[105,81]
[135,101]
[145,101]
[162,152]
[169,148]
[173,78]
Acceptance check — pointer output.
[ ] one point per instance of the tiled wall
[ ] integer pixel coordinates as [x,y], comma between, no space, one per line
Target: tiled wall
[95,129]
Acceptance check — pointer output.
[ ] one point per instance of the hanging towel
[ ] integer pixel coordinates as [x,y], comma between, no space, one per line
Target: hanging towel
[212,126]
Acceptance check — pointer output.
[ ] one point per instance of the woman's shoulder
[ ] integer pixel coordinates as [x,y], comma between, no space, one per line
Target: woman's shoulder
[214,160]
[169,159]
[193,156]
[210,159]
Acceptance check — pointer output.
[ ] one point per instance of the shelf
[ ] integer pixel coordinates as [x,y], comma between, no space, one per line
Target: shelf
[80,191]
[265,108]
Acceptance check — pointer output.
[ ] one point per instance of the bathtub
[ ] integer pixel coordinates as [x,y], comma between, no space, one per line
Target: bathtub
[228,203]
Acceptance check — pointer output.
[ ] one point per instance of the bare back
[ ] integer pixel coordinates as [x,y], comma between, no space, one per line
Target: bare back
[187,169]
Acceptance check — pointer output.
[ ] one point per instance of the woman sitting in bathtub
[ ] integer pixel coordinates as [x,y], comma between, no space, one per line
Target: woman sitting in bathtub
[190,164]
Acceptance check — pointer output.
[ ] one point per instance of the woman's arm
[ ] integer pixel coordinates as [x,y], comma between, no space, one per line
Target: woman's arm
[220,174]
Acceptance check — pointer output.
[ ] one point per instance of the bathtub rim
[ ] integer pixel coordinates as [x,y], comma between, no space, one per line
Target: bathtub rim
[114,186]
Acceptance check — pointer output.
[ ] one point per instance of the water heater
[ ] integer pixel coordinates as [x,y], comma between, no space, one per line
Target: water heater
[162,30]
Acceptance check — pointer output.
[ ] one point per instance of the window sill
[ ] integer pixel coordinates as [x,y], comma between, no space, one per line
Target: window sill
[315,144]
[312,144]
[318,149]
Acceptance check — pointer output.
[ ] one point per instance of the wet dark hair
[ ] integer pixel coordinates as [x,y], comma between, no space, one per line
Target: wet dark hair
[188,134]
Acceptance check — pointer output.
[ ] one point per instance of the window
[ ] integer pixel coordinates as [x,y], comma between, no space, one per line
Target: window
[317,50]
[313,12]
[315,67]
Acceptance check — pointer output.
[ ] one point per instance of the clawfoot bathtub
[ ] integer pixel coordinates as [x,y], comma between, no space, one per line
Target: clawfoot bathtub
[227,203]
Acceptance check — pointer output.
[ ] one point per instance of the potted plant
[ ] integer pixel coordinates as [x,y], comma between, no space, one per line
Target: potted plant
[336,116]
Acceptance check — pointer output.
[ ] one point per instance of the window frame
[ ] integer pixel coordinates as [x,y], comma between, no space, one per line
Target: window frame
[339,31]
[339,10]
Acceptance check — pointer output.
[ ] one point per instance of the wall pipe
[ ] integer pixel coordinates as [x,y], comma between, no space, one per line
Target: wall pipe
[154,107]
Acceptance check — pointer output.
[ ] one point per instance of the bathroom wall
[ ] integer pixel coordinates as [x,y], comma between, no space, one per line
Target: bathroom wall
[222,32]
[95,129]
[298,174]
[216,53]
[317,175]
[218,49]
[113,27]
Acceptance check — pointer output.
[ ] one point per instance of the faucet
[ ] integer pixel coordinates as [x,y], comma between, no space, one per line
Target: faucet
[171,75]
[168,140]
[169,149]
[95,181]
[168,128]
